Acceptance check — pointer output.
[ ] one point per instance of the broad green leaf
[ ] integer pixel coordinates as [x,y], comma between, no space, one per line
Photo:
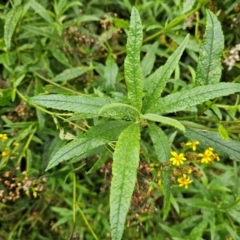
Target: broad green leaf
[41,11]
[86,105]
[110,73]
[207,139]
[209,62]
[166,181]
[124,171]
[156,82]
[95,137]
[132,66]
[188,98]
[164,120]
[161,143]
[119,111]
[70,74]
[11,21]
[149,59]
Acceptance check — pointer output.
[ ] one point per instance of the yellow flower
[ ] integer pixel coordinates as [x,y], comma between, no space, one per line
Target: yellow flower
[206,156]
[16,144]
[184,181]
[3,136]
[5,154]
[216,157]
[192,145]
[177,159]
[210,150]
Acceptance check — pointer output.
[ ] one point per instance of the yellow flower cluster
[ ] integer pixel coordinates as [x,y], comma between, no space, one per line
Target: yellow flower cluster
[208,156]
[181,164]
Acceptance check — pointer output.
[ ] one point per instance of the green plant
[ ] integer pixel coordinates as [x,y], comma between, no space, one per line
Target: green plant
[142,107]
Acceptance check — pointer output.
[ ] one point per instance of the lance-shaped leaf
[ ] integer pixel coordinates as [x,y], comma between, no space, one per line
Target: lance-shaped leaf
[161,143]
[119,111]
[207,139]
[164,120]
[41,11]
[110,73]
[149,59]
[71,73]
[124,171]
[86,105]
[95,137]
[11,21]
[132,66]
[209,62]
[156,82]
[188,98]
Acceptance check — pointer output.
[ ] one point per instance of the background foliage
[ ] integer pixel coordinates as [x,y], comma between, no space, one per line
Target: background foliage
[79,47]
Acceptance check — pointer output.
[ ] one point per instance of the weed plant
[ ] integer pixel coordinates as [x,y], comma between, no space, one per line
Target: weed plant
[119,120]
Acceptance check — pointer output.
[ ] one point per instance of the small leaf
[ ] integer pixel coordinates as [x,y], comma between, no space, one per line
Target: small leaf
[132,67]
[223,132]
[188,98]
[124,171]
[95,137]
[156,82]
[103,158]
[120,23]
[86,105]
[198,230]
[207,139]
[149,59]
[60,56]
[209,62]
[110,73]
[41,11]
[11,21]
[166,181]
[119,111]
[71,74]
[161,143]
[164,120]
[5,96]
[232,232]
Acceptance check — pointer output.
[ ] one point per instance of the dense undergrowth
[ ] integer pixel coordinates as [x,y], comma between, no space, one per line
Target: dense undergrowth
[68,48]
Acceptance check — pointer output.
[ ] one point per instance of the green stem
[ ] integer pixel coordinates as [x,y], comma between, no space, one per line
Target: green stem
[48,112]
[86,222]
[56,84]
[74,197]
